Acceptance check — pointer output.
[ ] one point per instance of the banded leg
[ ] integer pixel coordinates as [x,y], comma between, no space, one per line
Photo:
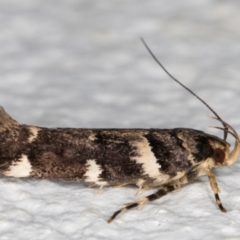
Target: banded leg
[214,186]
[160,193]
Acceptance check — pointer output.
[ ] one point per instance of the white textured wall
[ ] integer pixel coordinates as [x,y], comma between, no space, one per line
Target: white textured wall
[80,63]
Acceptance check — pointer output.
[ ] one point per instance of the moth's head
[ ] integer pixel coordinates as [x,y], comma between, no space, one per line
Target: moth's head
[221,150]
[222,156]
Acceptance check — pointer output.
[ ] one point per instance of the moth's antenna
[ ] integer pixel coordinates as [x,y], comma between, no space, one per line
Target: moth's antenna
[189,90]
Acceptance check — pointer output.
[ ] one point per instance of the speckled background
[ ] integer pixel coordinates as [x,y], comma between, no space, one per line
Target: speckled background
[80,63]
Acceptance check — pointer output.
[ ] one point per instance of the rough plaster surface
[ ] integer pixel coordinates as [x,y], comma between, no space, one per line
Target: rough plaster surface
[80,63]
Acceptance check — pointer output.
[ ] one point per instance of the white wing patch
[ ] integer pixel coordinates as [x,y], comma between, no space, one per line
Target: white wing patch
[93,172]
[150,166]
[21,168]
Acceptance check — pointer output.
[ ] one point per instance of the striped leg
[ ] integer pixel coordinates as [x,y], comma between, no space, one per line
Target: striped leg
[160,193]
[215,189]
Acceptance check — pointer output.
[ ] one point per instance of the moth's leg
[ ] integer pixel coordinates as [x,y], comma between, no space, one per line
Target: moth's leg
[160,193]
[214,186]
[91,185]
[192,175]
[100,189]
[142,188]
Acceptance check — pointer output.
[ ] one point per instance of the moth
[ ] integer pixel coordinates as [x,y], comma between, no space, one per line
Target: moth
[164,159]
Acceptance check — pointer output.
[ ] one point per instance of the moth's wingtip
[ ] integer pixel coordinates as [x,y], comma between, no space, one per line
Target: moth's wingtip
[2,112]
[6,121]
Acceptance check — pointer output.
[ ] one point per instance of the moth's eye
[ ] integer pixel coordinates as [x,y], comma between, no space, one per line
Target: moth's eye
[219,155]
